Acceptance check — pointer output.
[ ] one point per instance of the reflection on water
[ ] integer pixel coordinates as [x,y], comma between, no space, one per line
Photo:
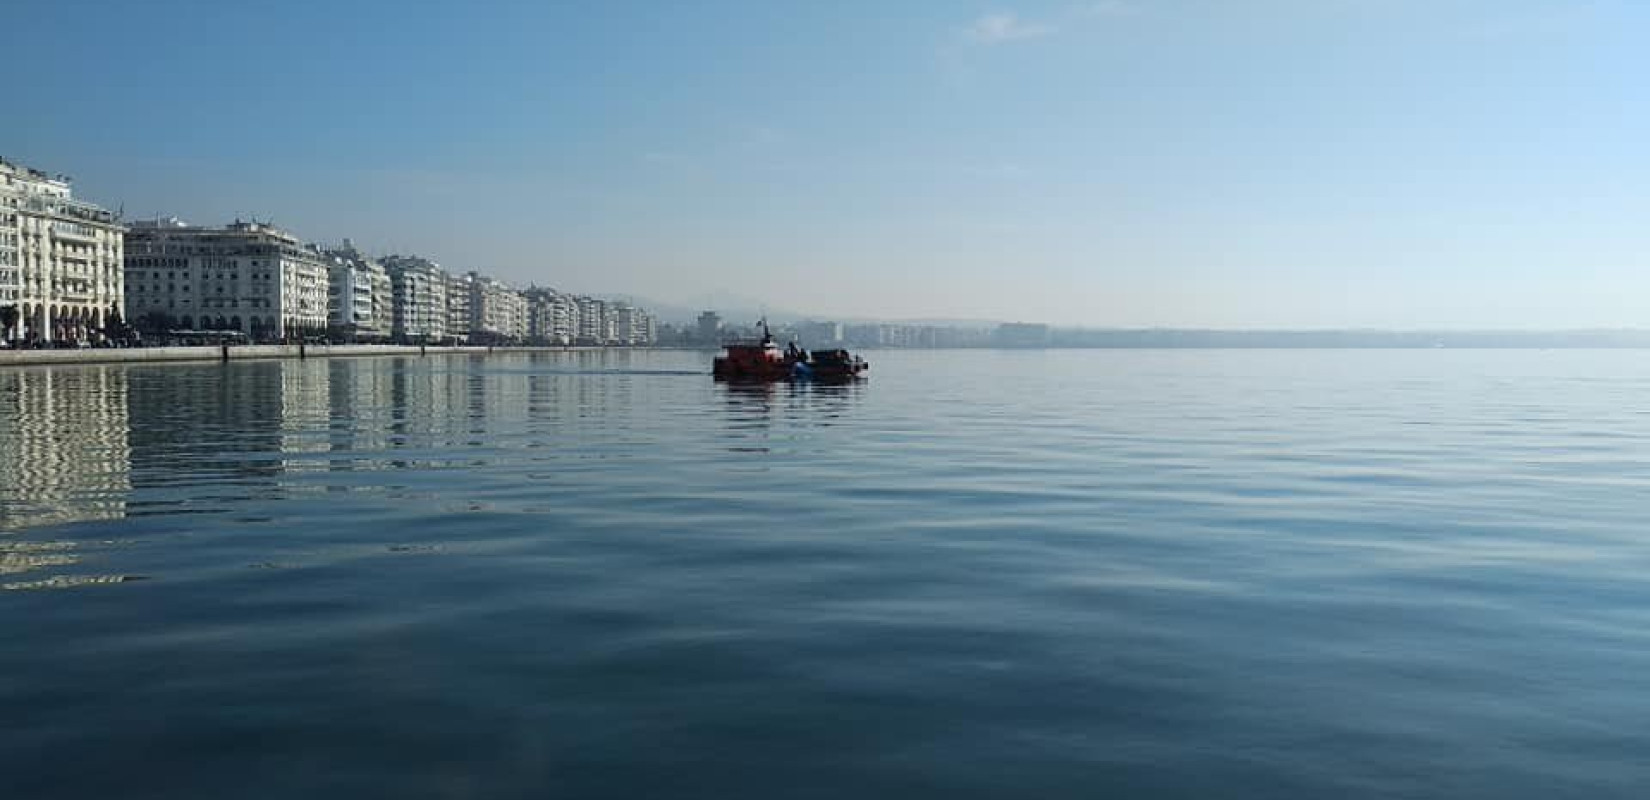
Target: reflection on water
[64,451]
[1154,574]
[106,441]
[752,408]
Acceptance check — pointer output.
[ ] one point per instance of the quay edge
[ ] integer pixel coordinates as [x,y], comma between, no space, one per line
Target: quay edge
[146,355]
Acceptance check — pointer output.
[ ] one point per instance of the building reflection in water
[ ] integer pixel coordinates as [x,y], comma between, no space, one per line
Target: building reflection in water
[66,455]
[209,425]
[107,442]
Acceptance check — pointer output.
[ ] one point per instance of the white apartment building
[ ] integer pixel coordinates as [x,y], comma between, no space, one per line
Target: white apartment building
[540,315]
[246,276]
[418,299]
[565,318]
[633,326]
[458,307]
[595,321]
[383,302]
[60,258]
[498,313]
[358,295]
[553,317]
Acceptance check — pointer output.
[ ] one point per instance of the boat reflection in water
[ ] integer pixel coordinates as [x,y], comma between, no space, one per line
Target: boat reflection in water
[778,416]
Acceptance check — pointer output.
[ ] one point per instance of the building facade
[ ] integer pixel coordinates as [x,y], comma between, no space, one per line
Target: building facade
[418,299]
[359,297]
[553,317]
[541,315]
[595,321]
[632,326]
[249,277]
[708,328]
[458,307]
[60,259]
[498,313]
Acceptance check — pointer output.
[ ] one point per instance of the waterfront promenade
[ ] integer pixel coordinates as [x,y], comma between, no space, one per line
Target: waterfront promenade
[135,355]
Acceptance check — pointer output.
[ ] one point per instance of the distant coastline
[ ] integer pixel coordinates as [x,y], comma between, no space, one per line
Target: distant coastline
[1037,335]
[1343,339]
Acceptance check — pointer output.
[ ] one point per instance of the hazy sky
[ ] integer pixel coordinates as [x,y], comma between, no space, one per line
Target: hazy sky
[1401,163]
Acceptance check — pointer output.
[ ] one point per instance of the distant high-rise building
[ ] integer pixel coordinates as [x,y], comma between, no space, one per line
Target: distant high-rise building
[710,327]
[61,259]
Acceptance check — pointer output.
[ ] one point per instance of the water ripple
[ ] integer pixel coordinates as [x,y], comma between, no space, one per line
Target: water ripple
[977,574]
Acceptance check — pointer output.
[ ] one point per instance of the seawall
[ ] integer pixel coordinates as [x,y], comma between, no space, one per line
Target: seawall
[143,355]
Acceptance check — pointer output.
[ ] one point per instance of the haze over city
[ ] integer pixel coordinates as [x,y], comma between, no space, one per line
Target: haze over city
[1276,163]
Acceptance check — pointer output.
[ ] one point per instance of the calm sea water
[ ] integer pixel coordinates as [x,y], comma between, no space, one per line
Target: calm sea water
[1020,574]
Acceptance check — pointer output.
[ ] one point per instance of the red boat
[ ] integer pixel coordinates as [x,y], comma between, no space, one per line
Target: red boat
[765,361]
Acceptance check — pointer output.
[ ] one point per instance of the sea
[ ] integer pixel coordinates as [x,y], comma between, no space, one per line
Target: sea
[974,574]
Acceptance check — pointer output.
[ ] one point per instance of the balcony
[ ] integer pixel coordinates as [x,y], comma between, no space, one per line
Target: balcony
[69,232]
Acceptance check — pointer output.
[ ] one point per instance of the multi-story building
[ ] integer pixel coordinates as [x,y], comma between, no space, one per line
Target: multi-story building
[595,321]
[383,302]
[418,299]
[633,326]
[60,259]
[564,313]
[358,295]
[553,317]
[246,276]
[498,313]
[458,307]
[541,315]
[709,328]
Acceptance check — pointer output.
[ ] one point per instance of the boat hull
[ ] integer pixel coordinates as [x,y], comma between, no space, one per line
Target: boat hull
[724,369]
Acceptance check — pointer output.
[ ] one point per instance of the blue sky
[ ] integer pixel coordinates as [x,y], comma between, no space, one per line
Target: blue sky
[1235,163]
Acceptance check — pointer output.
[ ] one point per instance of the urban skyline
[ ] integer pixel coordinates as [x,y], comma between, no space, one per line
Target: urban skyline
[70,267]
[74,271]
